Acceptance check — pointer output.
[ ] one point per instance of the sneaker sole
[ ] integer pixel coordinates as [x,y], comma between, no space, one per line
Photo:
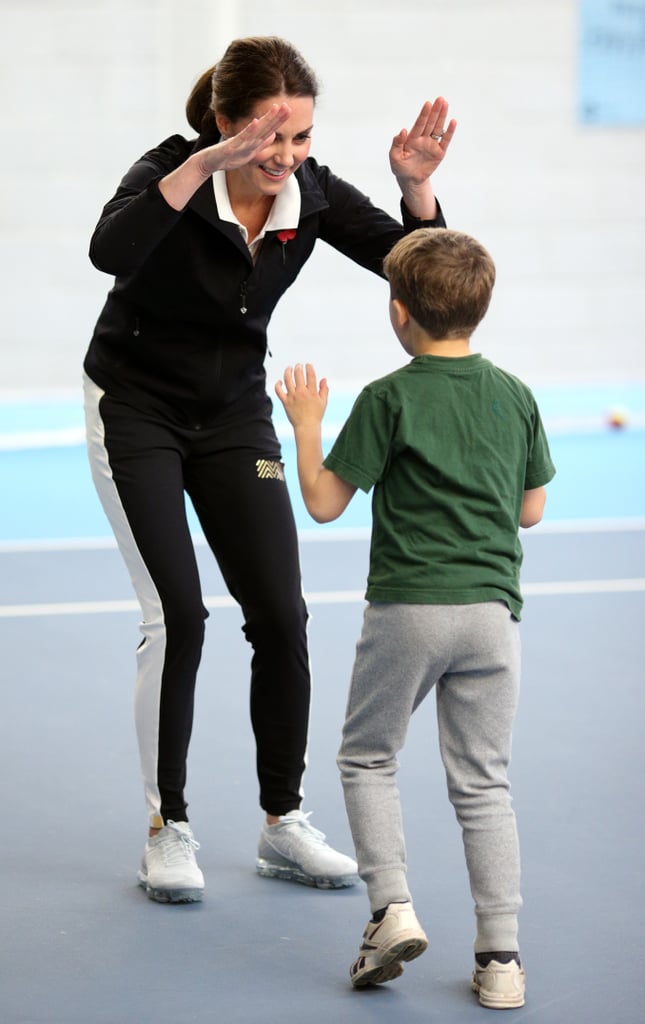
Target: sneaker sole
[292,873]
[171,895]
[391,966]
[377,975]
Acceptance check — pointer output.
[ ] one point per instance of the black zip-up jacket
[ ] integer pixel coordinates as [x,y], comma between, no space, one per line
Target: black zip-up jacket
[172,337]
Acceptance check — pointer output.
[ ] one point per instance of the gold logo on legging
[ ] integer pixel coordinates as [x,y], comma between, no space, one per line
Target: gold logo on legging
[268,469]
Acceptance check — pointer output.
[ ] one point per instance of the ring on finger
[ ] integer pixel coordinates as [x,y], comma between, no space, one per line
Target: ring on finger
[438,136]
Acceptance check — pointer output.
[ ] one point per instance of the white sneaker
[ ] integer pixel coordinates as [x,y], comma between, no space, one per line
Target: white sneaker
[499,986]
[295,850]
[169,871]
[398,936]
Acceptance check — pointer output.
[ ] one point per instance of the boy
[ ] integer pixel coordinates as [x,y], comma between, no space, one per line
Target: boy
[457,455]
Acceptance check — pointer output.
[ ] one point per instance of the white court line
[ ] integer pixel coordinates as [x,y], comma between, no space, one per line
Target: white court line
[67,437]
[547,589]
[625,524]
[619,586]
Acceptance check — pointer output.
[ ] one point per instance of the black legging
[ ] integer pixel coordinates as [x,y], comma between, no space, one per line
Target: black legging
[233,475]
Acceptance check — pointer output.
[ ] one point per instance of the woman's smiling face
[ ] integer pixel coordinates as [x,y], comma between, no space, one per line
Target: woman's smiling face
[267,173]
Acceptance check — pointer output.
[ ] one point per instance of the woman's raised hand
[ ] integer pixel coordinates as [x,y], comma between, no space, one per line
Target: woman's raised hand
[230,153]
[180,185]
[415,154]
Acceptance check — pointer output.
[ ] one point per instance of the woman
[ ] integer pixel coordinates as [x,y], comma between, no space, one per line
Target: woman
[203,237]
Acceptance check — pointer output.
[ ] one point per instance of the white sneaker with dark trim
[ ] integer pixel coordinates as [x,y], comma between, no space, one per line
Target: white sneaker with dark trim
[296,851]
[499,986]
[397,937]
[169,871]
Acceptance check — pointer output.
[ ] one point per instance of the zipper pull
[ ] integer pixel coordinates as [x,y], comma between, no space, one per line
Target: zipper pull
[243,297]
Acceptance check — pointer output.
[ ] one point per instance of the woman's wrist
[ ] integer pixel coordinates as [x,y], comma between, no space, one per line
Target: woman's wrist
[419,198]
[180,185]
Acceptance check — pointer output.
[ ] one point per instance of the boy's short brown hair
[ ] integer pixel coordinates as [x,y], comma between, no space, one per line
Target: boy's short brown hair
[445,279]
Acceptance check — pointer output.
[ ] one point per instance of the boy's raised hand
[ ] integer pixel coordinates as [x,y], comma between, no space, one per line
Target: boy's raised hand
[303,398]
[325,495]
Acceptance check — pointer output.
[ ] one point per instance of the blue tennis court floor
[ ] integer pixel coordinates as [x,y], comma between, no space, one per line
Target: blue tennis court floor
[80,941]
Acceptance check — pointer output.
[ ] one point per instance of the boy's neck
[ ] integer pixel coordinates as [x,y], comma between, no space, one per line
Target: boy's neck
[449,348]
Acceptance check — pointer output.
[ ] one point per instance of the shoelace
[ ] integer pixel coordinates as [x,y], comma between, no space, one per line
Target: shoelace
[315,833]
[177,846]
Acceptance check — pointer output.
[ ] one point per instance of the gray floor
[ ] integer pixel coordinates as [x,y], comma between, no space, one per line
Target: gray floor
[80,941]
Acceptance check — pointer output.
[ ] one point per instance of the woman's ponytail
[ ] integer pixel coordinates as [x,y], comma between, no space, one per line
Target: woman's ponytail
[199,112]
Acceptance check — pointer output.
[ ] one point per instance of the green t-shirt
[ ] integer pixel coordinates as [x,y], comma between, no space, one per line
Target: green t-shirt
[450,446]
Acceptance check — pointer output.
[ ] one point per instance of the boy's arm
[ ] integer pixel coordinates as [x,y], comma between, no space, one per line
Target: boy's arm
[325,495]
[532,506]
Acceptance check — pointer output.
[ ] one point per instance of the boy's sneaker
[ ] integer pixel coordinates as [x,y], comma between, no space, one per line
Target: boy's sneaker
[398,936]
[169,871]
[295,850]
[500,986]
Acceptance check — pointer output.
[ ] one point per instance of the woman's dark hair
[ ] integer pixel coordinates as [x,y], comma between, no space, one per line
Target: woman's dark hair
[251,70]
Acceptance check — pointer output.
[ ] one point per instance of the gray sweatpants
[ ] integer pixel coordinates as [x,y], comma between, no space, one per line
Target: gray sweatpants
[471,655]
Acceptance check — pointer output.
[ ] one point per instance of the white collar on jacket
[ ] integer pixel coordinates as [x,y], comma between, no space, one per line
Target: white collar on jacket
[284,213]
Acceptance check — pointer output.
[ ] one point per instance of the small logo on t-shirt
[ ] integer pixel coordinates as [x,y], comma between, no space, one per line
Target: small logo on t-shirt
[498,410]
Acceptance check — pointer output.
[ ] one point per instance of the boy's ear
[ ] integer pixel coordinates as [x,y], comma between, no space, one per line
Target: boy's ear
[401,313]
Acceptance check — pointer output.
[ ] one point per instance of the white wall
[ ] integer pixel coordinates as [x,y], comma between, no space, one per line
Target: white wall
[88,85]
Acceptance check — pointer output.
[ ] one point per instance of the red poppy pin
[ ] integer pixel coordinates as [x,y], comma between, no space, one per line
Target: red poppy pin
[285,236]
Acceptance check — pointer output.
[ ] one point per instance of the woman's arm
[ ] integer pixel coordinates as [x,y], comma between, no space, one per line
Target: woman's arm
[180,185]
[137,217]
[157,188]
[352,224]
[416,154]
[361,231]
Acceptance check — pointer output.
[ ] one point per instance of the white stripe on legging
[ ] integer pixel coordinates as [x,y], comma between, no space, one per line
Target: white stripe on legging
[151,652]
